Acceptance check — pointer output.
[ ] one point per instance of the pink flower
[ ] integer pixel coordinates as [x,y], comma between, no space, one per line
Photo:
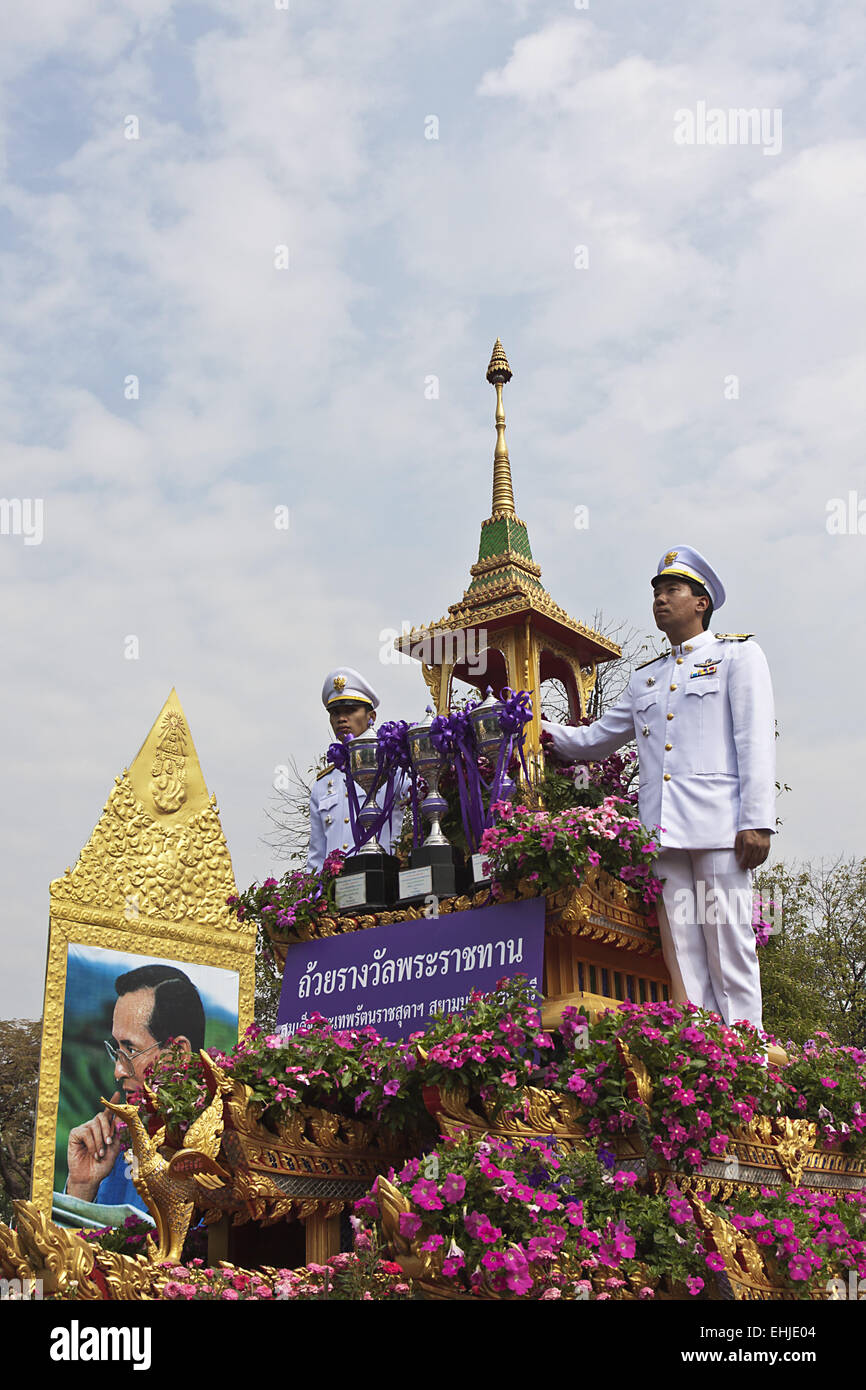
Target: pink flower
[409,1224]
[425,1194]
[479,1226]
[715,1262]
[453,1187]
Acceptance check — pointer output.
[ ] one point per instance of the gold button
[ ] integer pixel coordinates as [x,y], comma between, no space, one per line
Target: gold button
[670,716]
[667,776]
[345,846]
[673,687]
[345,820]
[679,661]
[668,747]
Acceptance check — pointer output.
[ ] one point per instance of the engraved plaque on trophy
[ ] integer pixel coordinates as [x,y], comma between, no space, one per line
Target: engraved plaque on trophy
[368,880]
[432,871]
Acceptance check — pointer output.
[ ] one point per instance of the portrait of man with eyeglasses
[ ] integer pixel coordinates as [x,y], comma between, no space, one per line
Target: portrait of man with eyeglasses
[156,1005]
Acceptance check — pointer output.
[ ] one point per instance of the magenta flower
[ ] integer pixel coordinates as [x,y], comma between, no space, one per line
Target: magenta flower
[409,1224]
[453,1187]
[425,1194]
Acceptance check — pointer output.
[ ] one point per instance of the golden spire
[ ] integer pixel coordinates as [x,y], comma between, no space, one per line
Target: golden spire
[498,373]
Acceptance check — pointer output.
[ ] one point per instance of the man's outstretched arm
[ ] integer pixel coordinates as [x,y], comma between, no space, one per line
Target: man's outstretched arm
[591,742]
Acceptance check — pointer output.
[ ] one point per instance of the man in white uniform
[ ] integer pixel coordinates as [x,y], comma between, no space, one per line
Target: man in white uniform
[351,703]
[703,718]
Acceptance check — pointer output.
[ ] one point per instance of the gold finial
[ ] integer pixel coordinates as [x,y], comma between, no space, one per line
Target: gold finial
[499,369]
[498,373]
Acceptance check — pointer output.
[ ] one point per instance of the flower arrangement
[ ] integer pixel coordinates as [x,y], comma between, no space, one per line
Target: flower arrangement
[554,850]
[360,1275]
[292,905]
[811,1236]
[492,1049]
[128,1239]
[827,1083]
[354,1073]
[706,1078]
[530,1219]
[589,784]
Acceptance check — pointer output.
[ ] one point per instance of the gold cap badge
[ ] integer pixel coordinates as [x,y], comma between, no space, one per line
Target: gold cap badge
[671,556]
[339,682]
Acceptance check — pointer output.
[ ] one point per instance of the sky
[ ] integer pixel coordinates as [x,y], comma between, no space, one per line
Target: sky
[255,255]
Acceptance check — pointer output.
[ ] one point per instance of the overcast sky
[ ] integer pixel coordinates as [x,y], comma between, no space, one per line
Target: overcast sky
[694,374]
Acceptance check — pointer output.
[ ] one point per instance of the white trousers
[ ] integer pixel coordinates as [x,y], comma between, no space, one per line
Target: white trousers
[708,943]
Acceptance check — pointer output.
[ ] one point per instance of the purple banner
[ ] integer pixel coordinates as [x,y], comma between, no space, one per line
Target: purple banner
[395,978]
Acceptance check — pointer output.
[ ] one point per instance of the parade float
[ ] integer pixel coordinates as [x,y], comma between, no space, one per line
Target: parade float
[483,1093]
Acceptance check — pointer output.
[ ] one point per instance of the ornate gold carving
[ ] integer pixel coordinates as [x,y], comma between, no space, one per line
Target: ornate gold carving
[791,1141]
[143,871]
[604,909]
[130,1277]
[168,773]
[168,1186]
[433,680]
[13,1257]
[751,1276]
[61,1259]
[532,1114]
[638,1080]
[510,558]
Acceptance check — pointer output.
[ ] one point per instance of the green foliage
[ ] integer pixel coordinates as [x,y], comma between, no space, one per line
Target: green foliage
[19,1075]
[813,970]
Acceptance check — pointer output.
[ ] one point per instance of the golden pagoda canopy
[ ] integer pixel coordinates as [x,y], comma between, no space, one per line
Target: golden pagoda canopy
[506,612]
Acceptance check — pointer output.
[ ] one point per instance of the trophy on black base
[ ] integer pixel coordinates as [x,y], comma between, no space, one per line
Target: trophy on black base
[368,881]
[433,871]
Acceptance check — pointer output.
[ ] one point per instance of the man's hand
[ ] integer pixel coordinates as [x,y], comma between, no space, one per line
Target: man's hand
[91,1153]
[751,847]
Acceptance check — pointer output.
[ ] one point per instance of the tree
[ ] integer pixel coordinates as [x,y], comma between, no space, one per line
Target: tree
[290,812]
[19,1075]
[813,968]
[611,677]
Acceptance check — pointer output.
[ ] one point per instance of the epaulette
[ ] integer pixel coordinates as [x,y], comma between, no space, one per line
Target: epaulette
[324,771]
[733,636]
[652,659]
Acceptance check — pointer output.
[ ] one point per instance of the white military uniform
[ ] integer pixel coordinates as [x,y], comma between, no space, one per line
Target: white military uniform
[330,826]
[329,817]
[703,719]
